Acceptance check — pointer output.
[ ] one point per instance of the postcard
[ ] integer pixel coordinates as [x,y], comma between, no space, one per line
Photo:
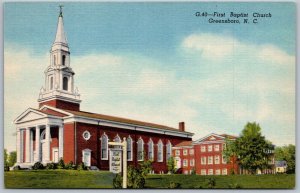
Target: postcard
[191,95]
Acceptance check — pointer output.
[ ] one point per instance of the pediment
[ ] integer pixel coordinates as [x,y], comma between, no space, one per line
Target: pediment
[30,115]
[210,137]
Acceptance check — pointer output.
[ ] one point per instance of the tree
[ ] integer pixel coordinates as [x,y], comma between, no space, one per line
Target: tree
[171,165]
[12,159]
[5,157]
[286,153]
[251,148]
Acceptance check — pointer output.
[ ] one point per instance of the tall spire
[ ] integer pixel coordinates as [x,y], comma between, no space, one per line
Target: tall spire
[60,37]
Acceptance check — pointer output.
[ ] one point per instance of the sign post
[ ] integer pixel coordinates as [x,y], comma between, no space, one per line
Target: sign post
[115,162]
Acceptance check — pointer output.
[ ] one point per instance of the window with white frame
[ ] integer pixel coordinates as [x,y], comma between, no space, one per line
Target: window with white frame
[86,157]
[224,171]
[118,140]
[192,162]
[140,150]
[217,147]
[150,150]
[203,160]
[210,172]
[177,152]
[203,172]
[104,147]
[185,152]
[185,163]
[160,151]
[217,159]
[169,150]
[210,160]
[191,151]
[209,148]
[218,172]
[224,160]
[203,148]
[129,148]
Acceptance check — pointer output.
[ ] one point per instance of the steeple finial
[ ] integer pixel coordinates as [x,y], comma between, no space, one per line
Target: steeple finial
[60,10]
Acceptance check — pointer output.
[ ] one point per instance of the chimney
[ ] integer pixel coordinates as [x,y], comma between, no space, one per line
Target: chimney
[181,126]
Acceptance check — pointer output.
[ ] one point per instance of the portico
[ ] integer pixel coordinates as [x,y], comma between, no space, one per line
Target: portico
[39,138]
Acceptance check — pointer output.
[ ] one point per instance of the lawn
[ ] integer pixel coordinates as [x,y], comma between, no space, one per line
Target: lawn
[58,179]
[103,179]
[242,181]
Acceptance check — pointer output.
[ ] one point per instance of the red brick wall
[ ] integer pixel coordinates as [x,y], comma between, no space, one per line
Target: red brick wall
[94,144]
[69,142]
[61,104]
[54,141]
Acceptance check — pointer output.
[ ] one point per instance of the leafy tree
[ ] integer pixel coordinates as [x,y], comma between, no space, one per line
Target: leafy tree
[135,178]
[6,165]
[286,153]
[12,159]
[145,167]
[251,148]
[171,165]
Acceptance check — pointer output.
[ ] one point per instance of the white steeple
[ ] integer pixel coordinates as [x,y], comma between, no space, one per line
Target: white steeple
[59,76]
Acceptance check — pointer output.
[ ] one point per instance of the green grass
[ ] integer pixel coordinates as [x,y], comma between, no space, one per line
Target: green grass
[244,181]
[103,179]
[58,179]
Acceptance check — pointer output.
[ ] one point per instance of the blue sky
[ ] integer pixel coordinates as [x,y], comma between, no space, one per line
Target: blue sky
[157,62]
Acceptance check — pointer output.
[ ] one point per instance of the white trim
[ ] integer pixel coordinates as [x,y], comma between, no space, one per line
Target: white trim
[151,145]
[168,147]
[43,115]
[56,109]
[131,148]
[89,157]
[207,136]
[53,150]
[88,137]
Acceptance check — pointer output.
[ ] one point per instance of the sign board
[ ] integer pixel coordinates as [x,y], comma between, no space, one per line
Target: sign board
[115,161]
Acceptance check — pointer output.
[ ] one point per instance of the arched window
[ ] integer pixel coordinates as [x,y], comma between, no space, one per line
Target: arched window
[104,147]
[150,149]
[129,149]
[160,152]
[118,140]
[65,83]
[63,60]
[51,83]
[140,150]
[169,150]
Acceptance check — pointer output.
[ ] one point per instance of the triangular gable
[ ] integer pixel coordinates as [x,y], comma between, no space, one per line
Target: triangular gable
[210,137]
[54,111]
[30,114]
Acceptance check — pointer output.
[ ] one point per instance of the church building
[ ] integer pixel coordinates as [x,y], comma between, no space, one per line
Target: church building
[59,129]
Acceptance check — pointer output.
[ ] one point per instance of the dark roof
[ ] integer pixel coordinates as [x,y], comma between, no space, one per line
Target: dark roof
[184,143]
[122,120]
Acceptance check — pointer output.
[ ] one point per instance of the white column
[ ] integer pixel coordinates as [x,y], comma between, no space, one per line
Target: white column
[27,145]
[47,146]
[124,163]
[31,146]
[37,144]
[61,142]
[18,146]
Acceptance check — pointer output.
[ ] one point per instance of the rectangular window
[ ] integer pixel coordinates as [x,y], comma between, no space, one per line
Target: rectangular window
[210,172]
[224,171]
[203,172]
[185,162]
[209,148]
[191,151]
[185,152]
[224,161]
[218,172]
[203,148]
[203,160]
[177,152]
[210,160]
[192,162]
[217,159]
[217,147]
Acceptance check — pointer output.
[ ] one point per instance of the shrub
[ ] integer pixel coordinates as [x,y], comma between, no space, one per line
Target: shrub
[6,168]
[37,166]
[61,164]
[174,185]
[17,167]
[171,165]
[145,167]
[81,166]
[70,166]
[135,178]
[117,181]
[51,166]
[211,182]
[234,186]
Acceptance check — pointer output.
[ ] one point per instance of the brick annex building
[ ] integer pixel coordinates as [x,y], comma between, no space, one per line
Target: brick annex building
[59,129]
